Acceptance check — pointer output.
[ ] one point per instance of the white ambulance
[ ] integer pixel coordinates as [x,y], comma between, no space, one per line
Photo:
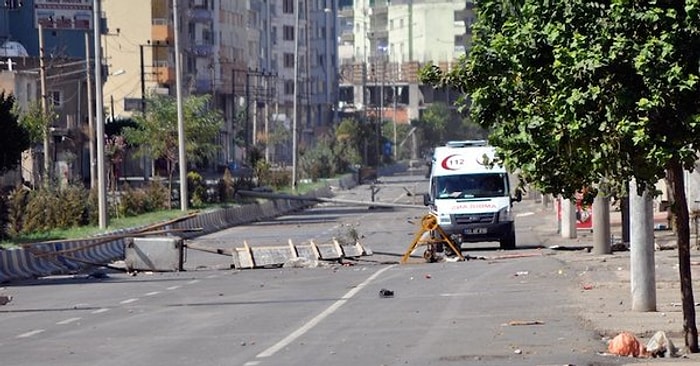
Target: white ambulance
[471,199]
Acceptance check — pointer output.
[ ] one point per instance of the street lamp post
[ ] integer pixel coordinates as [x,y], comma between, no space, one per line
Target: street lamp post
[91,120]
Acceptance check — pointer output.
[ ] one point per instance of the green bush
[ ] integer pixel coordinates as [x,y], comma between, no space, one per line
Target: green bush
[3,215]
[41,212]
[157,196]
[16,209]
[93,213]
[196,189]
[132,202]
[226,187]
[72,204]
[280,178]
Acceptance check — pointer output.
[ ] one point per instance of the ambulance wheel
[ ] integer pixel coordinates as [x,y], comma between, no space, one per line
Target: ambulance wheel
[508,241]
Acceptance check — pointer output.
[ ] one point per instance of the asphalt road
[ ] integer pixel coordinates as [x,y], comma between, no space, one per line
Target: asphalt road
[504,308]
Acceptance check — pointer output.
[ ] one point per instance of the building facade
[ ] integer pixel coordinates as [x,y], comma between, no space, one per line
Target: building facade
[242,53]
[384,43]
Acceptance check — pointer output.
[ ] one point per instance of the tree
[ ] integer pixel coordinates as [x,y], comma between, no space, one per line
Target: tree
[14,138]
[157,132]
[349,136]
[440,124]
[580,92]
[38,123]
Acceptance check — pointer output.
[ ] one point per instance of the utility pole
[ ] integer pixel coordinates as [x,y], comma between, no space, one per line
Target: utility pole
[142,73]
[396,148]
[103,219]
[91,121]
[296,96]
[234,119]
[247,113]
[380,122]
[143,80]
[642,272]
[266,113]
[44,109]
[254,137]
[180,118]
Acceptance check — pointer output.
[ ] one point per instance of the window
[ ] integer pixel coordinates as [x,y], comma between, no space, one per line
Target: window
[288,60]
[55,98]
[289,87]
[288,33]
[288,7]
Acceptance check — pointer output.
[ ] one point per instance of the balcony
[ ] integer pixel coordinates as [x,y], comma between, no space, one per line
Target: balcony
[201,15]
[346,12]
[378,34]
[202,50]
[164,73]
[348,37]
[162,30]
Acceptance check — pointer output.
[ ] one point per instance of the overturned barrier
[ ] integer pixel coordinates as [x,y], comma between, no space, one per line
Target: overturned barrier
[247,257]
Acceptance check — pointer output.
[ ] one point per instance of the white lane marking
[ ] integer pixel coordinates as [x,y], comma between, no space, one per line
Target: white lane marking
[192,282]
[173,288]
[251,363]
[152,293]
[103,310]
[318,318]
[523,214]
[128,301]
[212,276]
[32,333]
[456,294]
[68,321]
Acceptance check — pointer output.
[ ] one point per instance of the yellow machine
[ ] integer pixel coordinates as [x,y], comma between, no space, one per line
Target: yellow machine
[431,235]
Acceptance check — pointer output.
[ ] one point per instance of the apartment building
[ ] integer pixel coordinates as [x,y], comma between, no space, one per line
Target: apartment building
[310,43]
[64,28]
[383,44]
[241,52]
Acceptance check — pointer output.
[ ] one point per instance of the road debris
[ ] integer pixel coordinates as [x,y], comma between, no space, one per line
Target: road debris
[661,346]
[627,344]
[384,293]
[513,323]
[5,299]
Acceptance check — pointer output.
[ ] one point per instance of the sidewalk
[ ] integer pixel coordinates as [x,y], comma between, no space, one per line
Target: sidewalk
[604,293]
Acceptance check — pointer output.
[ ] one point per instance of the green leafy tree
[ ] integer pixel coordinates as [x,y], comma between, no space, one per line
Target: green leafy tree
[115,149]
[37,123]
[157,131]
[349,136]
[440,124]
[581,92]
[14,138]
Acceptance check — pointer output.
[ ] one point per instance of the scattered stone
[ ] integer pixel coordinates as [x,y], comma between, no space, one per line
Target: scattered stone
[4,299]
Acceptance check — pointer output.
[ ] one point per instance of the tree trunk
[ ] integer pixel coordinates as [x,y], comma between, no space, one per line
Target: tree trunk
[682,224]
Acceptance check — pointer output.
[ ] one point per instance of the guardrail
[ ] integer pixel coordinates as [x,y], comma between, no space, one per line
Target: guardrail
[72,256]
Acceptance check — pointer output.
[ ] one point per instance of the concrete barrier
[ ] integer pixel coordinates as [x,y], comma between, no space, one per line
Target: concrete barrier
[247,257]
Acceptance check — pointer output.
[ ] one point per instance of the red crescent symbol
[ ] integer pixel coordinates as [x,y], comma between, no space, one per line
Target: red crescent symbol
[445,160]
